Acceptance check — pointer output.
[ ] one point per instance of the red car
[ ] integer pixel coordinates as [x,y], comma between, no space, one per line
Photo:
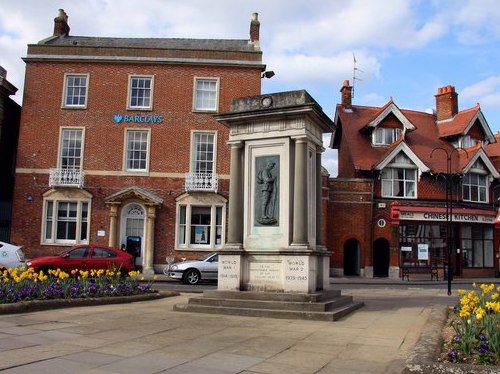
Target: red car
[85,257]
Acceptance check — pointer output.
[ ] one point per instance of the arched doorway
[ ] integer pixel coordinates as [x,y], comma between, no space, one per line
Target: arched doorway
[351,257]
[133,225]
[381,256]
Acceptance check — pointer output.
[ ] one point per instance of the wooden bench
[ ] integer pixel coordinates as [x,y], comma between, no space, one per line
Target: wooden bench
[419,269]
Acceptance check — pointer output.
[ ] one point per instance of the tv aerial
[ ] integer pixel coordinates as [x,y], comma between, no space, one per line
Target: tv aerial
[354,70]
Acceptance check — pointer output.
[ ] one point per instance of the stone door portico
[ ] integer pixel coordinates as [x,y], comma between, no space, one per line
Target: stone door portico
[145,199]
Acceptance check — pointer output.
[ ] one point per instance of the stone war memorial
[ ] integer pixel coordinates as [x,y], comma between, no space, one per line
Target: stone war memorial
[274,263]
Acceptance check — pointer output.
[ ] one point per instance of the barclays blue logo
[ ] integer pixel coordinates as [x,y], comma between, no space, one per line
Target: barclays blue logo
[118,118]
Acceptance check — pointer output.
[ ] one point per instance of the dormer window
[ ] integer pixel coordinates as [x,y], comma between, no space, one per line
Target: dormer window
[385,136]
[466,141]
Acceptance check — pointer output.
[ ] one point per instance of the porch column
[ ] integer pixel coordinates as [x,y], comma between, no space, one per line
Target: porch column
[235,219]
[300,194]
[147,267]
[113,219]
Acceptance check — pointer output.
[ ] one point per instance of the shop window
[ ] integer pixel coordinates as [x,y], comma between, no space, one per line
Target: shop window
[399,182]
[136,150]
[140,95]
[431,236]
[385,136]
[475,188]
[75,90]
[200,227]
[66,222]
[206,94]
[477,246]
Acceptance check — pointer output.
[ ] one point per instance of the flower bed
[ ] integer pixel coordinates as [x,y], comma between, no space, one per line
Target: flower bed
[472,334]
[21,284]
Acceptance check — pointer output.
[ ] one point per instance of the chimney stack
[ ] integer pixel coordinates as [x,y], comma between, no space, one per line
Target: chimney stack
[255,30]
[346,95]
[61,27]
[446,103]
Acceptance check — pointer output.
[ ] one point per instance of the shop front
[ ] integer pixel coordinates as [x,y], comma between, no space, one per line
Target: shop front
[423,239]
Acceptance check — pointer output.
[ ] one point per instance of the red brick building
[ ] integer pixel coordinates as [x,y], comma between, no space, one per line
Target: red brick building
[119,146]
[413,187]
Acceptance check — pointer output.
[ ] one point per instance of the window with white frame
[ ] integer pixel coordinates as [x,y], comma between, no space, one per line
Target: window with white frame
[385,136]
[200,226]
[71,149]
[75,90]
[136,150]
[203,153]
[475,187]
[140,92]
[206,94]
[66,221]
[399,182]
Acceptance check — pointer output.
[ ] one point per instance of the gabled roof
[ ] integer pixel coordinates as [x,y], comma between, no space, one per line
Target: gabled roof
[479,154]
[462,123]
[402,147]
[387,109]
[426,143]
[493,151]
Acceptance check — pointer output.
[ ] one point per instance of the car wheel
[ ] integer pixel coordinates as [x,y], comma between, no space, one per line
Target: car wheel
[191,276]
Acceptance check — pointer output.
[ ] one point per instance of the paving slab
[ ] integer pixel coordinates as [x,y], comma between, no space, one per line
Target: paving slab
[150,337]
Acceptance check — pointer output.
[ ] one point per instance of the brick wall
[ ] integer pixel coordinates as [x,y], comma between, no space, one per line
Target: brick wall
[42,118]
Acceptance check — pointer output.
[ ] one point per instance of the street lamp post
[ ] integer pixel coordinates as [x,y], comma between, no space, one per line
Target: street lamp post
[449,207]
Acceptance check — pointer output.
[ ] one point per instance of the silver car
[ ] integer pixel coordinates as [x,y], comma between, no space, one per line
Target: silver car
[192,271]
[11,256]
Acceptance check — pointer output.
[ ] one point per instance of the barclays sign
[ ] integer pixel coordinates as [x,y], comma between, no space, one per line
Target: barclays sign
[138,119]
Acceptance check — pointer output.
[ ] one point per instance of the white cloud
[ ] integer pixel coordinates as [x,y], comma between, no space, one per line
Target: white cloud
[476,21]
[484,91]
[303,69]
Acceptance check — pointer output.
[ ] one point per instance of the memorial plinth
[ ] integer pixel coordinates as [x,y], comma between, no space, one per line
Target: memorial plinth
[274,237]
[274,241]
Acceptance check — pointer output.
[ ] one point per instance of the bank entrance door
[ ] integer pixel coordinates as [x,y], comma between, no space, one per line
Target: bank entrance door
[133,223]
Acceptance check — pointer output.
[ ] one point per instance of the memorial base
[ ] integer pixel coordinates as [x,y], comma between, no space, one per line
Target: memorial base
[298,270]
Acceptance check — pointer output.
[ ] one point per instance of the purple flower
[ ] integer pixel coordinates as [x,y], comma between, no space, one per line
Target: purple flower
[453,355]
[457,339]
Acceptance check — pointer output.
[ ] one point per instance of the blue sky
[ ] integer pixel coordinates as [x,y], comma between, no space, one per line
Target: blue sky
[405,49]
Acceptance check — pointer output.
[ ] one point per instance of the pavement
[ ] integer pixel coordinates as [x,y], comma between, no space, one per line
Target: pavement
[149,337]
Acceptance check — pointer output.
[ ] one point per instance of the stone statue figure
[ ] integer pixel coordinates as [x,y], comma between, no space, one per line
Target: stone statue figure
[268,194]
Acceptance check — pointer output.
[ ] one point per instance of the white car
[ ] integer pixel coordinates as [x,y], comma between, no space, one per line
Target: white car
[192,271]
[11,256]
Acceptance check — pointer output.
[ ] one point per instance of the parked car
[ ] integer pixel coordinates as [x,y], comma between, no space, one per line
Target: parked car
[85,257]
[11,256]
[192,271]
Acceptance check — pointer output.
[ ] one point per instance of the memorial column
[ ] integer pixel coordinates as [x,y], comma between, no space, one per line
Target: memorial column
[235,219]
[299,236]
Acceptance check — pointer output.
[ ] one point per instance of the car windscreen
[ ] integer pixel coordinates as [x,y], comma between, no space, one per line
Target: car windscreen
[206,256]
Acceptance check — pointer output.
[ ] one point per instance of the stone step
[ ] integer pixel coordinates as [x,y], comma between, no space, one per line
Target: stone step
[332,315]
[274,296]
[322,306]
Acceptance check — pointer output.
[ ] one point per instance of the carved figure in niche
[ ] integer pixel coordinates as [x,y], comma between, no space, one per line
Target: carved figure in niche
[269,192]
